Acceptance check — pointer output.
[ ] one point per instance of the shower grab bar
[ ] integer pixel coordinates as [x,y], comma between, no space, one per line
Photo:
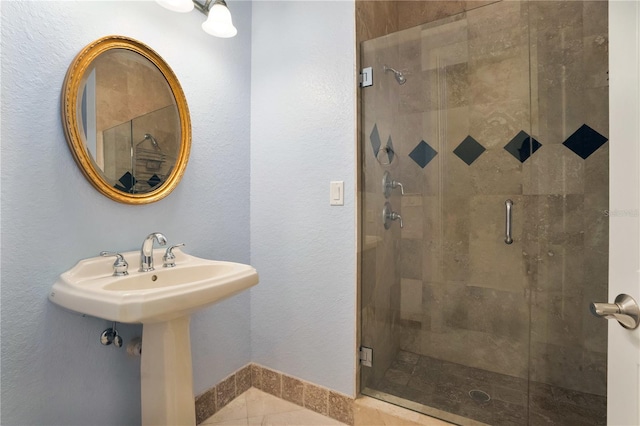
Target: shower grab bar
[508,206]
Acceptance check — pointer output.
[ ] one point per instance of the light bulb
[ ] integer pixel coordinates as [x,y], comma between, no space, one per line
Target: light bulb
[219,22]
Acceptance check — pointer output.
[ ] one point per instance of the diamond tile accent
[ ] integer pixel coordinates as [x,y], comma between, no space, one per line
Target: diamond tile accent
[522,146]
[154,180]
[469,150]
[128,181]
[585,141]
[422,154]
[375,140]
[390,152]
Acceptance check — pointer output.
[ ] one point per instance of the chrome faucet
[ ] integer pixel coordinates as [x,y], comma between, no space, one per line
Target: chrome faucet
[146,253]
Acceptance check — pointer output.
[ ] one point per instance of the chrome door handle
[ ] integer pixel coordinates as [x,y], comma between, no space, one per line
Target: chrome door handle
[507,233]
[624,309]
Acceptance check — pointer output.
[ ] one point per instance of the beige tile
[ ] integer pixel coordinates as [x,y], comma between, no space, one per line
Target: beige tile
[375,19]
[243,380]
[316,398]
[256,376]
[225,391]
[411,13]
[372,412]
[477,349]
[234,411]
[341,408]
[487,247]
[292,390]
[272,382]
[260,404]
[234,422]
[412,217]
[298,418]
[255,421]
[554,169]
[411,299]
[205,405]
[365,416]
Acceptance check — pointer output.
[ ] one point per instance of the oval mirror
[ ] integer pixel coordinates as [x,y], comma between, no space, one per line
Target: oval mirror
[126,120]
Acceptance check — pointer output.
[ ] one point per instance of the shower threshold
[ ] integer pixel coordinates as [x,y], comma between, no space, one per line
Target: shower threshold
[421,408]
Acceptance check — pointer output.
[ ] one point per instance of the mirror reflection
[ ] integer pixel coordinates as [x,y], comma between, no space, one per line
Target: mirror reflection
[129,121]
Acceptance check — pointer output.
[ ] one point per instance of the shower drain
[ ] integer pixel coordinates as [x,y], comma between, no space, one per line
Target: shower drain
[479,396]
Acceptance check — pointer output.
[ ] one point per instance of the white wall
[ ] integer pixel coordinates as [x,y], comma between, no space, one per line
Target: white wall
[302,137]
[54,370]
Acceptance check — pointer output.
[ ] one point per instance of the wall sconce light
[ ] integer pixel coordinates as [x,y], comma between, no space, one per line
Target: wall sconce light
[218,21]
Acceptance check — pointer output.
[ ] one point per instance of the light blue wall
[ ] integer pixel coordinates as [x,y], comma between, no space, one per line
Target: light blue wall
[302,137]
[54,370]
[296,95]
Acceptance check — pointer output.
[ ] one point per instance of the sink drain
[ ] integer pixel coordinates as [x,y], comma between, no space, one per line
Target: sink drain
[479,396]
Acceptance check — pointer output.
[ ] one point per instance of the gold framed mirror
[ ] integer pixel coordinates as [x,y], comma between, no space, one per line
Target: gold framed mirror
[126,120]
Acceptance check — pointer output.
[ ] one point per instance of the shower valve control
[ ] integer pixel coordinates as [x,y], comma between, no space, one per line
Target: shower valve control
[388,184]
[389,215]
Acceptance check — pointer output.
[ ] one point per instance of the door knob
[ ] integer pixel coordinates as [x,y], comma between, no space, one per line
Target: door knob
[624,309]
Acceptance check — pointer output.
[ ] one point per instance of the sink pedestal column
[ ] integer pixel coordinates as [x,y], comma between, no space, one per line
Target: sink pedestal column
[166,374]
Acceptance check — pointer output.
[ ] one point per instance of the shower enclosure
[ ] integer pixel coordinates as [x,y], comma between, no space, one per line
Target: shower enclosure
[484,179]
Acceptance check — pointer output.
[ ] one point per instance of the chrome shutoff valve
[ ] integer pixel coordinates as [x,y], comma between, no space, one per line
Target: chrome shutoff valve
[110,335]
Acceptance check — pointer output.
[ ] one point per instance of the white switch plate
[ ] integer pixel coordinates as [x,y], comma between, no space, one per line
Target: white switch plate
[336,193]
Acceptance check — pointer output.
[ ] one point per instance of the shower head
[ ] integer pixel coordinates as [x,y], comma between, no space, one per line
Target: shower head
[154,142]
[400,78]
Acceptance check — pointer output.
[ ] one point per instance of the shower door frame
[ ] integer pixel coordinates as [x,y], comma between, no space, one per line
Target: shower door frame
[623,370]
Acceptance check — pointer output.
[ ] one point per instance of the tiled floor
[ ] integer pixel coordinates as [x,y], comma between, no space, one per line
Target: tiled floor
[446,386]
[255,407]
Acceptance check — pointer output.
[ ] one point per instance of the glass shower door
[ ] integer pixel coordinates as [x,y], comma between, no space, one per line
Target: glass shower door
[460,118]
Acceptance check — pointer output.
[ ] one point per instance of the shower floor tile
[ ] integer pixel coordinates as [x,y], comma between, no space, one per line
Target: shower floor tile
[502,400]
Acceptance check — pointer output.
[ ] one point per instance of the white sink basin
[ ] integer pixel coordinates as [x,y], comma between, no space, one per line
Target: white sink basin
[162,300]
[147,297]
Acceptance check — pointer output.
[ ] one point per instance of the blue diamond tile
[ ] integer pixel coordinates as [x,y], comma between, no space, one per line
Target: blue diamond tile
[585,141]
[422,154]
[127,182]
[390,152]
[154,180]
[522,146]
[375,140]
[469,150]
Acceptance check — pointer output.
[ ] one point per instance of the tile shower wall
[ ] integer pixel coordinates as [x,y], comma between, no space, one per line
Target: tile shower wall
[505,101]
[380,292]
[566,188]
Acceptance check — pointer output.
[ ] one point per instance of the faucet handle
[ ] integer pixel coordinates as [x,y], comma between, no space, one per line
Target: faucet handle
[169,258]
[388,184]
[119,266]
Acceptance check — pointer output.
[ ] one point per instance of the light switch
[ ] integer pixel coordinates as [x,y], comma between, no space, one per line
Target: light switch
[336,193]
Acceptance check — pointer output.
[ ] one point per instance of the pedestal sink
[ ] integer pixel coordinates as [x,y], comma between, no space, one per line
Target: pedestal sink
[163,301]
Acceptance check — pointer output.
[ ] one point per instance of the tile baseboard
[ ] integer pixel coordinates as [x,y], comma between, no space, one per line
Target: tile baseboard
[305,394]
